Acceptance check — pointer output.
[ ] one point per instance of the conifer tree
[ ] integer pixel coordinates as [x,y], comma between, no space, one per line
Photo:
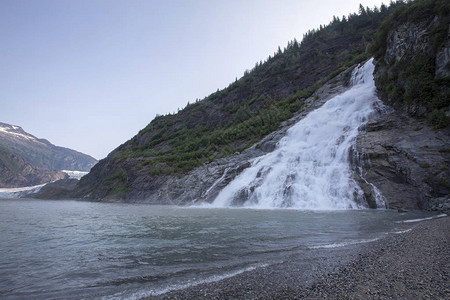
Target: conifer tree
[362,10]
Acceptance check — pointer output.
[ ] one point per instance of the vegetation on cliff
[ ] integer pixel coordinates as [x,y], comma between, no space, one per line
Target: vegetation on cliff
[234,118]
[408,76]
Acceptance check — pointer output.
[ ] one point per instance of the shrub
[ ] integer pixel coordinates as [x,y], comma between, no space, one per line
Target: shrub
[438,119]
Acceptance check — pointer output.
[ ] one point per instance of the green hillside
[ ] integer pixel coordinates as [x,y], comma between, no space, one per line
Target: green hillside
[232,119]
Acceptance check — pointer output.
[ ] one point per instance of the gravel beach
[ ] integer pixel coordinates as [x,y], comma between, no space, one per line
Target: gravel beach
[409,265]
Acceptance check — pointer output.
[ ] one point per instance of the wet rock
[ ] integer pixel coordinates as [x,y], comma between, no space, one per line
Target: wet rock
[441,204]
[368,193]
[405,160]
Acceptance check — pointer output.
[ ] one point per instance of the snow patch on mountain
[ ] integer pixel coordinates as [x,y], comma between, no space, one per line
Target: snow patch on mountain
[75,174]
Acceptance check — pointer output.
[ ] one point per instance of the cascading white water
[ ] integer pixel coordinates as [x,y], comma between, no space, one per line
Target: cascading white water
[310,167]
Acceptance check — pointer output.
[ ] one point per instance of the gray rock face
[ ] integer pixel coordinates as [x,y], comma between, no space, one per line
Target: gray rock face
[404,74]
[401,156]
[443,62]
[405,160]
[55,190]
[440,204]
[408,40]
[204,183]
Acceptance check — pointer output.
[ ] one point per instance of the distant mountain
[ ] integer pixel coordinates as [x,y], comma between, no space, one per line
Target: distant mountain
[17,172]
[40,153]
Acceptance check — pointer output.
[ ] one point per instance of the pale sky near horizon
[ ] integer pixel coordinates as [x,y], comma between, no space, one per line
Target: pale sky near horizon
[89,74]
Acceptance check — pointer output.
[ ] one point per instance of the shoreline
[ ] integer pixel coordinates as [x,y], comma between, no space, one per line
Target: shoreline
[414,264]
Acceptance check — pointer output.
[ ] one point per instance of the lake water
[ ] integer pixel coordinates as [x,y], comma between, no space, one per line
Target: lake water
[72,249]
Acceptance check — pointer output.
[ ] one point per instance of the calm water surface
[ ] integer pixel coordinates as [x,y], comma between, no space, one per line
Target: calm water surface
[71,249]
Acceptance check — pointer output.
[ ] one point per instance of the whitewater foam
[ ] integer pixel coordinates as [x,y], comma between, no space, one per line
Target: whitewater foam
[175,287]
[403,231]
[343,244]
[310,167]
[216,182]
[422,219]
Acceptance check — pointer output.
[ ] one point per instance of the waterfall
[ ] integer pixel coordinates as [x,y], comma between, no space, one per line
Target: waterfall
[310,167]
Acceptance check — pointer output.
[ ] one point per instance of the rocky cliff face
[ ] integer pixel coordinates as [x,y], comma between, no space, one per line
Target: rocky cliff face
[413,67]
[399,153]
[408,41]
[443,62]
[405,160]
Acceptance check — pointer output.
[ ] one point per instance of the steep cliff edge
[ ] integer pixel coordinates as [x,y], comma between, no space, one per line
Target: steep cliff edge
[406,154]
[406,161]
[412,50]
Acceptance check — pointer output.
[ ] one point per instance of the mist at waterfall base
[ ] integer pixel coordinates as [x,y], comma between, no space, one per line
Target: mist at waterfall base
[310,168]
[73,250]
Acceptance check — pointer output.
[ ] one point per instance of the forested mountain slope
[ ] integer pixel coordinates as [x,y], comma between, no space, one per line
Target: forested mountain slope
[232,119]
[208,133]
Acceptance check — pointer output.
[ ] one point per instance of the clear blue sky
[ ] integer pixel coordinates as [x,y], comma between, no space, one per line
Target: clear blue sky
[89,74]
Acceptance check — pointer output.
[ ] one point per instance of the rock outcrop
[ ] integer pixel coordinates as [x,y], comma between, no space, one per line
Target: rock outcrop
[405,160]
[408,40]
[413,67]
[443,62]
[56,190]
[399,153]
